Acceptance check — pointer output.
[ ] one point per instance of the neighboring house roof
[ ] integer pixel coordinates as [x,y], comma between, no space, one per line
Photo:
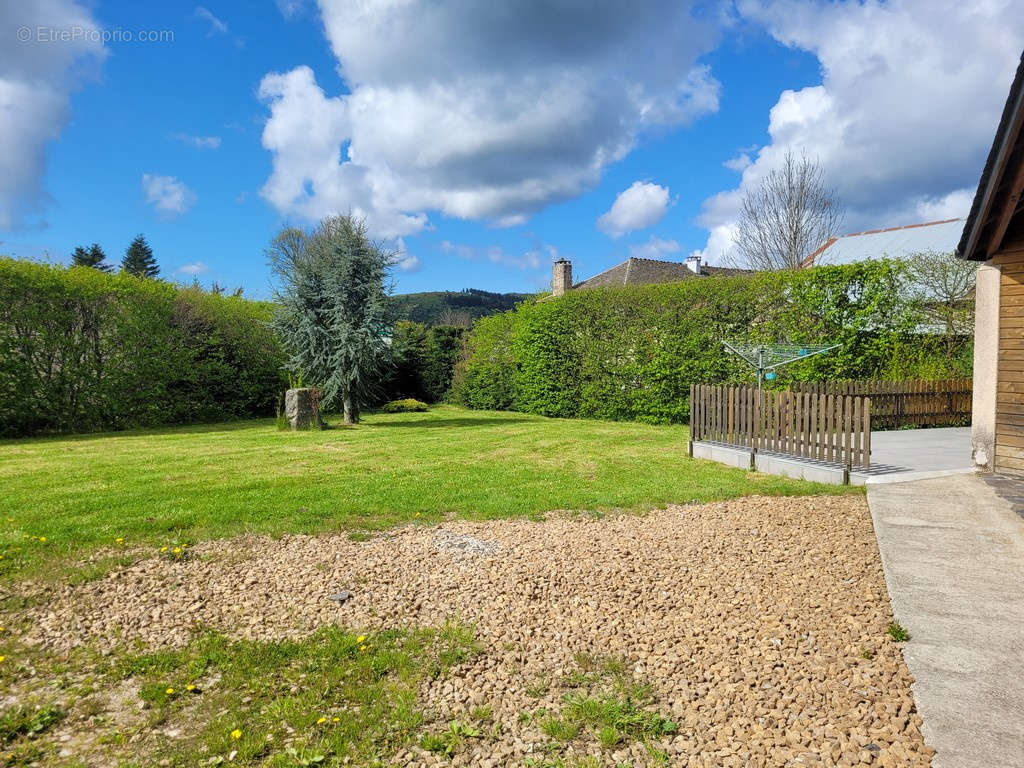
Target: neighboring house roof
[634,271]
[1000,189]
[894,243]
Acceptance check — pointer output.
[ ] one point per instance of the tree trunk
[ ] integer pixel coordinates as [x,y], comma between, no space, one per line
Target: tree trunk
[350,414]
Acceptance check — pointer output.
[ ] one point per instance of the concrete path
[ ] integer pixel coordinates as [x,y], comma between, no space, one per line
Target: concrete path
[915,454]
[953,555]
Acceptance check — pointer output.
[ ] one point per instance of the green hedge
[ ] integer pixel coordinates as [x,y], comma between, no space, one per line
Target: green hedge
[632,353]
[82,350]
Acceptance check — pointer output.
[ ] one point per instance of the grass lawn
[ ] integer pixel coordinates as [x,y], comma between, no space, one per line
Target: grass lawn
[178,485]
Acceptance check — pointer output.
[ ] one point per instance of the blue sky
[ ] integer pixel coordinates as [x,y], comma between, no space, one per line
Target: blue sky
[456,141]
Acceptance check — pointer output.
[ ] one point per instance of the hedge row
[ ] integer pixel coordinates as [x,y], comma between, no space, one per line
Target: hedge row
[632,353]
[82,350]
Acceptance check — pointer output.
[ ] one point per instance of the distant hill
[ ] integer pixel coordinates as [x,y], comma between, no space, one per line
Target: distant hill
[459,308]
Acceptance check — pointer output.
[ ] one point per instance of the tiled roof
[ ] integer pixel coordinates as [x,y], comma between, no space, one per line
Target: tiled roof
[636,271]
[894,243]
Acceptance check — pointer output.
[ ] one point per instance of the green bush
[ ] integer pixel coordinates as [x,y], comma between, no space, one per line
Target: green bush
[83,350]
[632,353]
[408,405]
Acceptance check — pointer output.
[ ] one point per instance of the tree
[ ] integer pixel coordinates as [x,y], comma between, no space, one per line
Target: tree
[943,286]
[786,217]
[92,256]
[139,260]
[332,316]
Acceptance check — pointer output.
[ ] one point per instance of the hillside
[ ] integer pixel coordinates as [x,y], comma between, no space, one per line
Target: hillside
[459,308]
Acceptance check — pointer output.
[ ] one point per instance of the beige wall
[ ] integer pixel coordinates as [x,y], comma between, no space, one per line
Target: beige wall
[986,361]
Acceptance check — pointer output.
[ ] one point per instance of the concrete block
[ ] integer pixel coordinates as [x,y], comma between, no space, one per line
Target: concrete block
[723,454]
[800,469]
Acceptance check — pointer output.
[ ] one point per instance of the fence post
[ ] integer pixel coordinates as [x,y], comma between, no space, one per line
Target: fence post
[867,433]
[693,413]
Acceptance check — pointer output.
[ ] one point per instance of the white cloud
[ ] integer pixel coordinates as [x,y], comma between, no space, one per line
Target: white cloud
[405,261]
[654,248]
[534,258]
[169,196]
[955,205]
[291,8]
[217,26]
[409,262]
[903,118]
[36,80]
[200,142]
[718,245]
[526,107]
[195,268]
[639,207]
[739,163]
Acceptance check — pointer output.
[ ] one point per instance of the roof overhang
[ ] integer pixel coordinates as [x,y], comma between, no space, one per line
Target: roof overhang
[1002,181]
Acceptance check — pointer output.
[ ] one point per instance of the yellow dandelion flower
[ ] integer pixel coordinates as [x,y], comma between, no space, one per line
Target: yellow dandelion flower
[119,540]
[163,549]
[2,658]
[190,687]
[169,691]
[42,539]
[335,719]
[361,639]
[362,647]
[236,734]
[321,721]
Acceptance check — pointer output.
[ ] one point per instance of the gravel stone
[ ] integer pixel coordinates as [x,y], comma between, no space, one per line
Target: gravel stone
[448,541]
[749,618]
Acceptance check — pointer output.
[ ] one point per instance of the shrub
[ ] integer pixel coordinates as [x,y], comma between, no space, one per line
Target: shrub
[632,353]
[83,350]
[408,405]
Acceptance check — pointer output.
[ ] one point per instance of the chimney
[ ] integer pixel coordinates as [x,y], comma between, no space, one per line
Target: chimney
[693,262]
[561,277]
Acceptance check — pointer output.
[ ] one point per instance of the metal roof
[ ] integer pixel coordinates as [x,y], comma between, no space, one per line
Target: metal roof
[893,243]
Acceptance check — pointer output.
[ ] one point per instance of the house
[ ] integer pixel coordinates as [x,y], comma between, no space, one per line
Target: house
[634,271]
[894,242]
[994,235]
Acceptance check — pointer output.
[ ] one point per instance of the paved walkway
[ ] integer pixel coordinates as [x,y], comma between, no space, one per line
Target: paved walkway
[953,554]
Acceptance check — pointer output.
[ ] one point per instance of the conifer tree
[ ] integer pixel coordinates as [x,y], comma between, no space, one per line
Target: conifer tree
[139,260]
[93,256]
[332,316]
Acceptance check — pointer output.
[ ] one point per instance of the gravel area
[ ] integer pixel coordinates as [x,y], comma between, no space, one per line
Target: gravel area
[759,623]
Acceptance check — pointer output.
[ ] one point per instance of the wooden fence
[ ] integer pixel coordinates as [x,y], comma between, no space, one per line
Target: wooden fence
[824,427]
[896,404]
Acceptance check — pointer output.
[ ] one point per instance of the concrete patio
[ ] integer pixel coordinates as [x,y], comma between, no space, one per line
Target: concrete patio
[916,454]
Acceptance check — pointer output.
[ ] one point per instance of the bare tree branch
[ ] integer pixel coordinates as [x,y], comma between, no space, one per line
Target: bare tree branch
[943,285]
[789,215]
